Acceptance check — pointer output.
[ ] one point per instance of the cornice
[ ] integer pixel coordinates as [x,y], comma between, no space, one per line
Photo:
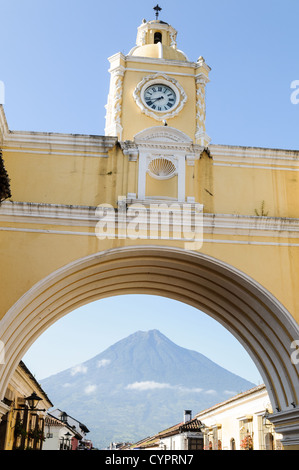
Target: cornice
[119,56]
[161,61]
[48,142]
[213,224]
[51,143]
[286,423]
[224,155]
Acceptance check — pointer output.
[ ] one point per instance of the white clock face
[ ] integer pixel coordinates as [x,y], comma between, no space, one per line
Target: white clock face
[160,97]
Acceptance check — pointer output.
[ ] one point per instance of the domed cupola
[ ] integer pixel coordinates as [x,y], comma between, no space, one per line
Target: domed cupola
[157,39]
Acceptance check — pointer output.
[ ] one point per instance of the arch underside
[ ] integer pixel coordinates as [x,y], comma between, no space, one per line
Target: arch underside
[243,307]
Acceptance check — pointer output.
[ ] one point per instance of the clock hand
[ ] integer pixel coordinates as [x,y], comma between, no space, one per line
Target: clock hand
[160,98]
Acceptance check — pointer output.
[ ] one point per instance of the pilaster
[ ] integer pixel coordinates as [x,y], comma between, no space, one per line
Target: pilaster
[287,424]
[3,409]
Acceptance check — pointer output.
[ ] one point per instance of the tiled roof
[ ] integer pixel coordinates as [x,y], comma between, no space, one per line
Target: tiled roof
[52,421]
[194,425]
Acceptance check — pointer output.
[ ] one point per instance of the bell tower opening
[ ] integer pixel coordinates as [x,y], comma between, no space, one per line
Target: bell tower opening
[157,37]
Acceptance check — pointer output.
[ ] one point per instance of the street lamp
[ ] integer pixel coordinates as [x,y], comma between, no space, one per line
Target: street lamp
[33,400]
[66,441]
[266,422]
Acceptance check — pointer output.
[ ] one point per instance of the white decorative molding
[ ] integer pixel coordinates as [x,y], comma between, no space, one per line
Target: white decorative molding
[163,134]
[145,27]
[201,137]
[4,409]
[181,97]
[130,150]
[255,157]
[163,142]
[114,105]
[242,228]
[161,168]
[57,144]
[286,423]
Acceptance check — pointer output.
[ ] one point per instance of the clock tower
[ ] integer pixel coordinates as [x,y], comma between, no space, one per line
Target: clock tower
[156,109]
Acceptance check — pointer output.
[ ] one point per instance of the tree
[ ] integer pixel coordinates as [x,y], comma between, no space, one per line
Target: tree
[4,181]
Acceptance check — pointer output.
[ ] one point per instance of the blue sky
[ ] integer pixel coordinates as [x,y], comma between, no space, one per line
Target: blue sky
[54,66]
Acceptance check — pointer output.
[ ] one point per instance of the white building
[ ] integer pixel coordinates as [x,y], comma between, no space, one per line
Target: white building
[186,435]
[240,423]
[63,432]
[57,434]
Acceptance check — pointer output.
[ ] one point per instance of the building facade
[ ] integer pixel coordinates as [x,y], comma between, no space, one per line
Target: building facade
[23,425]
[65,432]
[241,423]
[187,435]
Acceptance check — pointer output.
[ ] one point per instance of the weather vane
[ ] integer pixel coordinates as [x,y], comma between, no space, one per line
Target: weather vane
[157,8]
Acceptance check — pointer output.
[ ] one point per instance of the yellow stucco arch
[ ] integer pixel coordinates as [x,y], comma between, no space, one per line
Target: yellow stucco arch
[260,323]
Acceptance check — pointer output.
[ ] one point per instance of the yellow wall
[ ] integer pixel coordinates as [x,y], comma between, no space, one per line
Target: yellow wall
[89,181]
[185,120]
[31,249]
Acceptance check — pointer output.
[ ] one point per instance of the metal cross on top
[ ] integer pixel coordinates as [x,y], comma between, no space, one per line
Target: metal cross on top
[157,8]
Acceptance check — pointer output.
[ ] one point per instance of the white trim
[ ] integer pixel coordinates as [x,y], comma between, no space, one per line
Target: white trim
[66,154]
[3,409]
[286,423]
[167,142]
[253,156]
[156,61]
[92,234]
[58,144]
[216,224]
[48,232]
[255,167]
[161,61]
[166,72]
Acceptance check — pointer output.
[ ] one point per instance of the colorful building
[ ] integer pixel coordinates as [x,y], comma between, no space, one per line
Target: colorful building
[23,425]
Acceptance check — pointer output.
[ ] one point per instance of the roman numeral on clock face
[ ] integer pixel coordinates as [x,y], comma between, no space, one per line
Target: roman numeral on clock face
[159,97]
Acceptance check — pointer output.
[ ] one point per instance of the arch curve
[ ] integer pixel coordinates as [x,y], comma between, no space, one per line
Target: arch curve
[260,323]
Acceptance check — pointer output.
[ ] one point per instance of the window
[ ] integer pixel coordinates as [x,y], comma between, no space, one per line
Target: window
[195,443]
[246,433]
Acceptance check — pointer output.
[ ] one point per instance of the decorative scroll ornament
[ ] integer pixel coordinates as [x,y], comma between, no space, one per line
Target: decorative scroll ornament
[114,106]
[148,81]
[118,92]
[201,137]
[200,105]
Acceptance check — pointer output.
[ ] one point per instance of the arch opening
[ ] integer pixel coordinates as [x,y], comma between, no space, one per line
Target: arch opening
[253,316]
[157,37]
